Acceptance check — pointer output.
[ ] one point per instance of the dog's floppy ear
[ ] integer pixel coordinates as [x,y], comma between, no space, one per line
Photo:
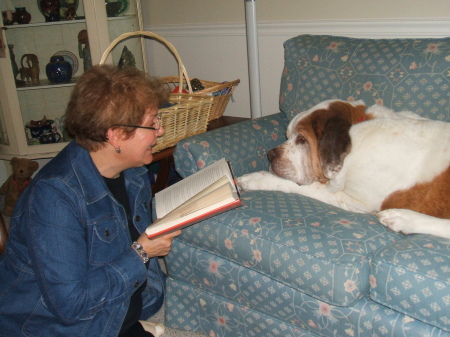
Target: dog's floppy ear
[334,146]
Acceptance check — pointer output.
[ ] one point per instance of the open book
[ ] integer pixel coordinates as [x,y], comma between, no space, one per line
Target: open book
[202,195]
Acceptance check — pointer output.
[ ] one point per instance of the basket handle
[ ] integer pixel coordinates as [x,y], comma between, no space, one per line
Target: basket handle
[181,69]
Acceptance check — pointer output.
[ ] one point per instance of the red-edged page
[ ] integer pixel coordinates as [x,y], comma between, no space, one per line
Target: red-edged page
[155,232]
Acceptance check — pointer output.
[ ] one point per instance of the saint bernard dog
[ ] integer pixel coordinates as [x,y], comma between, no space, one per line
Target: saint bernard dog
[367,160]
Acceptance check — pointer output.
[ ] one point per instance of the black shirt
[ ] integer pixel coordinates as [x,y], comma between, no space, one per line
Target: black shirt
[118,190]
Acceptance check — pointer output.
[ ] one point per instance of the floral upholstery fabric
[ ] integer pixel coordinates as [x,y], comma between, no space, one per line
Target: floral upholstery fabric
[220,298]
[402,74]
[310,246]
[412,276]
[287,265]
[244,144]
[194,309]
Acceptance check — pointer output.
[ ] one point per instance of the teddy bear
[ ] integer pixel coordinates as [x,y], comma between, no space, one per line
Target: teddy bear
[23,169]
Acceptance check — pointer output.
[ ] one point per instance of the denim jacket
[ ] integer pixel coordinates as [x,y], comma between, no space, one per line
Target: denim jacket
[69,269]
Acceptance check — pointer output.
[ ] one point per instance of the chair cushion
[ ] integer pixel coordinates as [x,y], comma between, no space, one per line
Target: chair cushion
[402,74]
[315,248]
[412,276]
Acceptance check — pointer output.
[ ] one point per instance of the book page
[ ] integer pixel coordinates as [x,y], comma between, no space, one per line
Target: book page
[173,196]
[211,195]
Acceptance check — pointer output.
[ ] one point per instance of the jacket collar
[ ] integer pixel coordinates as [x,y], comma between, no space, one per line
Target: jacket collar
[89,178]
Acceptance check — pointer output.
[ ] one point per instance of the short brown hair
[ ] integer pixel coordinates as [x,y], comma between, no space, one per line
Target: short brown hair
[105,96]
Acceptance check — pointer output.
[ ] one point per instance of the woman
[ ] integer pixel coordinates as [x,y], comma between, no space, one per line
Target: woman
[76,263]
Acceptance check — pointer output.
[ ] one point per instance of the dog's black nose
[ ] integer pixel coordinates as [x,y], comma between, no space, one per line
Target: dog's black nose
[272,154]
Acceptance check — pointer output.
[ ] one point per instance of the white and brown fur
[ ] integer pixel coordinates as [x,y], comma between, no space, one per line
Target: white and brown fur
[368,160]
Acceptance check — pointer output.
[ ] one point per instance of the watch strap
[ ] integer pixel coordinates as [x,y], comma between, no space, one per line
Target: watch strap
[140,251]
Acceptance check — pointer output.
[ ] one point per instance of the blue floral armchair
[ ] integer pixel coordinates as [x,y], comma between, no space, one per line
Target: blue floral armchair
[287,265]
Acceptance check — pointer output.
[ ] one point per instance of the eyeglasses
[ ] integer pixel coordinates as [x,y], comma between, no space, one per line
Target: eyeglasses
[157,123]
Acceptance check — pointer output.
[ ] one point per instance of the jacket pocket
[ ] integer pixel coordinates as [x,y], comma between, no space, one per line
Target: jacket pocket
[105,240]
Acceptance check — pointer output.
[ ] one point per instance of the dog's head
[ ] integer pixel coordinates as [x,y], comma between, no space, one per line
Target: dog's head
[318,141]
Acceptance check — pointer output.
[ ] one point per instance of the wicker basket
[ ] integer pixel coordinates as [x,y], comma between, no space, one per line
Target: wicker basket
[220,100]
[189,113]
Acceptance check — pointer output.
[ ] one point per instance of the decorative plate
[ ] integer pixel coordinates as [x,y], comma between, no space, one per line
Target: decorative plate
[125,5]
[64,4]
[69,57]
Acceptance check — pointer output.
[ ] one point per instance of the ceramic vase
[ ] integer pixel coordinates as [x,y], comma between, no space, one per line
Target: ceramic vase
[58,70]
[50,9]
[22,16]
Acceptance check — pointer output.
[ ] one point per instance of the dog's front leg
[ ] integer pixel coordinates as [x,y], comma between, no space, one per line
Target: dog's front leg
[266,181]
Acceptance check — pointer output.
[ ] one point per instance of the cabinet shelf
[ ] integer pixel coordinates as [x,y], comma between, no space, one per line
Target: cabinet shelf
[46,84]
[42,24]
[65,22]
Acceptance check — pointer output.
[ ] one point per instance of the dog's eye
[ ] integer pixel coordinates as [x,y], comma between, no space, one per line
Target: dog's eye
[300,140]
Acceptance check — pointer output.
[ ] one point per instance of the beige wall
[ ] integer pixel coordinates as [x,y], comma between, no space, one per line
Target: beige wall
[162,12]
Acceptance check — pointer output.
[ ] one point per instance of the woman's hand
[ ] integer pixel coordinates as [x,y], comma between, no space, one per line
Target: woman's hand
[159,246]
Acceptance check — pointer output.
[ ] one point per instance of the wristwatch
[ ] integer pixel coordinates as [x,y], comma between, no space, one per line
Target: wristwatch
[140,250]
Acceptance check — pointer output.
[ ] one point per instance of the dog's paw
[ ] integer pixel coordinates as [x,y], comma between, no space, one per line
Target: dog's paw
[253,181]
[410,222]
[399,220]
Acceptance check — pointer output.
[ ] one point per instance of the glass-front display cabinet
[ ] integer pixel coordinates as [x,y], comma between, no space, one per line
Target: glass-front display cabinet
[39,39]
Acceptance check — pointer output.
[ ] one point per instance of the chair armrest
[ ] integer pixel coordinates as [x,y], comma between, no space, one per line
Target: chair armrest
[244,144]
